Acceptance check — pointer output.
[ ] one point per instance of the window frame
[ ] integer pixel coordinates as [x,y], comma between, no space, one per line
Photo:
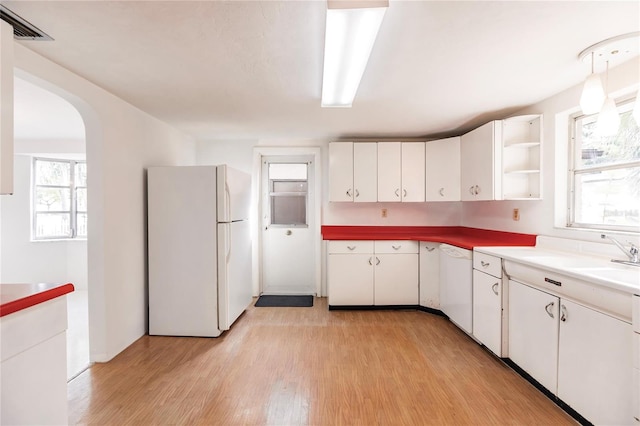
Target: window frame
[73,200]
[622,106]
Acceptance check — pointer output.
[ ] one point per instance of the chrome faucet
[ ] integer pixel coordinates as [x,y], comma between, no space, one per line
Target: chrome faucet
[632,252]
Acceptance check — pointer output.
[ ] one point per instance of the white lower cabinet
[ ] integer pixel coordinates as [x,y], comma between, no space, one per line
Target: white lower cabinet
[487,310]
[429,275]
[533,332]
[595,362]
[367,273]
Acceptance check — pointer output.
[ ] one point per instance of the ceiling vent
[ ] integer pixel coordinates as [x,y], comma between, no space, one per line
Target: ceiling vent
[22,29]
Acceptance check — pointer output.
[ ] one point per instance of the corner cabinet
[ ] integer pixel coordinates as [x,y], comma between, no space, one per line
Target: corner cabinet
[443,170]
[501,160]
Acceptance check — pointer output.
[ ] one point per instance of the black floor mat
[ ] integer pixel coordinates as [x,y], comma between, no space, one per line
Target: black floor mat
[276,300]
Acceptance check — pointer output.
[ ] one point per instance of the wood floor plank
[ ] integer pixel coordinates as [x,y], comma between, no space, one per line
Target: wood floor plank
[311,366]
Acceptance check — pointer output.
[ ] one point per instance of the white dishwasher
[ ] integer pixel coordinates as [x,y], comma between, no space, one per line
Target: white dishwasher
[455,285]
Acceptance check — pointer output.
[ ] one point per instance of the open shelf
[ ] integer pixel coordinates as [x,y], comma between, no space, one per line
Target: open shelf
[522,157]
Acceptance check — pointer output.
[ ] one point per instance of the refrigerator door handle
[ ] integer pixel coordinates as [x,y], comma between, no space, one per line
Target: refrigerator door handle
[227,201]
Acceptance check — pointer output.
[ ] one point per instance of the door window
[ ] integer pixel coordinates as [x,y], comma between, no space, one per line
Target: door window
[288,190]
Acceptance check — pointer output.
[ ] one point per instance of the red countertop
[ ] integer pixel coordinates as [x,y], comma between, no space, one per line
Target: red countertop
[459,236]
[16,297]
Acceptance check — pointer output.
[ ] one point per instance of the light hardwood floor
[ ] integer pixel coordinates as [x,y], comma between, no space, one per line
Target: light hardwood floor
[298,366]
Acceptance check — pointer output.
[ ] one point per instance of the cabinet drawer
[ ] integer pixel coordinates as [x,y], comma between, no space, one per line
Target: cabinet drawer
[488,264]
[402,246]
[344,247]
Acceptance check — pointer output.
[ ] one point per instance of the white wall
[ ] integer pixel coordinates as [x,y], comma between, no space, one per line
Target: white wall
[547,216]
[26,261]
[121,142]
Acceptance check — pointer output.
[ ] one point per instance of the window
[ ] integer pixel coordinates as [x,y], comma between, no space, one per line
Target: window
[605,174]
[288,194]
[59,204]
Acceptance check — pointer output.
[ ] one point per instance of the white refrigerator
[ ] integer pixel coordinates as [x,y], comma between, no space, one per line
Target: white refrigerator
[199,249]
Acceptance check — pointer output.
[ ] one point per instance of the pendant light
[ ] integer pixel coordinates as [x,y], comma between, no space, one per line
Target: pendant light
[592,93]
[609,118]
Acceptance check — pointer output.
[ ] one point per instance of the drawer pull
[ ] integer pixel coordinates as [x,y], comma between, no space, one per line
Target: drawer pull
[554,282]
[396,247]
[495,288]
[484,264]
[430,249]
[548,309]
[351,247]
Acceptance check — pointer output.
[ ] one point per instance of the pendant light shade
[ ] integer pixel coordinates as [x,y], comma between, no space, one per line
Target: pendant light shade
[592,95]
[608,119]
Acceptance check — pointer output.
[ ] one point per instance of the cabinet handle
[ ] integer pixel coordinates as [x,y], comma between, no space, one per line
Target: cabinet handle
[477,189]
[349,192]
[441,192]
[357,193]
[471,190]
[370,262]
[396,192]
[548,309]
[351,247]
[495,288]
[430,249]
[563,313]
[396,247]
[377,261]
[484,264]
[404,193]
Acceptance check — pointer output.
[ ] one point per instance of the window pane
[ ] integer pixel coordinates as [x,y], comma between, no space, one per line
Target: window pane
[81,199]
[53,199]
[289,186]
[595,150]
[288,171]
[81,224]
[50,225]
[608,197]
[288,210]
[52,172]
[81,174]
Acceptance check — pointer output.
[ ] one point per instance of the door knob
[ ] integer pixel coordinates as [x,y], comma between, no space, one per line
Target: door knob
[289,232]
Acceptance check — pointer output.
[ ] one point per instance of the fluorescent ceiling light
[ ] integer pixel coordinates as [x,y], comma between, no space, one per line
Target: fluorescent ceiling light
[350,35]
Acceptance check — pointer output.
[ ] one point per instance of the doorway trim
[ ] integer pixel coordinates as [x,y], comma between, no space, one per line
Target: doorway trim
[256,213]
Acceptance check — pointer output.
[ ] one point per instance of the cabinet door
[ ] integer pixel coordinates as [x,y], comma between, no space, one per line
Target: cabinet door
[350,279]
[478,163]
[443,170]
[389,171]
[413,171]
[487,311]
[365,172]
[429,275]
[396,279]
[595,365]
[341,171]
[533,333]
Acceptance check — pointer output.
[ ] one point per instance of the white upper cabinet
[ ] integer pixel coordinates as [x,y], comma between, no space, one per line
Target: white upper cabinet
[341,171]
[401,171]
[389,171]
[443,170]
[6,108]
[521,157]
[365,172]
[501,160]
[480,154]
[413,171]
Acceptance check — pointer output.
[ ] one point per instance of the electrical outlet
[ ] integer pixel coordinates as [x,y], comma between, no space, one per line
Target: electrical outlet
[516,214]
[383,212]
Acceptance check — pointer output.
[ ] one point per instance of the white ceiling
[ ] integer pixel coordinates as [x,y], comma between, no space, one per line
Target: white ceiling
[253,69]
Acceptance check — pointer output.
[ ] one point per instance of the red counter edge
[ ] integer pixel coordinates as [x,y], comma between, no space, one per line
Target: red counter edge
[35,299]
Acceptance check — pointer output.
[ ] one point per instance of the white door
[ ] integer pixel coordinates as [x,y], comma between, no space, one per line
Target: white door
[288,221]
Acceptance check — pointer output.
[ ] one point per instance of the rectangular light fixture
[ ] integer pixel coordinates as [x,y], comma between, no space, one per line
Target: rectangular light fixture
[352,27]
